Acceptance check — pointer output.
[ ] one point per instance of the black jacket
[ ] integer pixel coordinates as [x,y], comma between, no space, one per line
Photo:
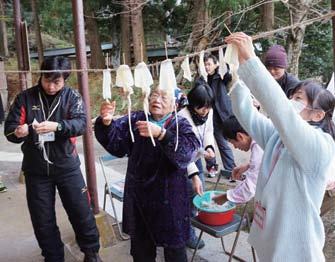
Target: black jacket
[70,112]
[2,111]
[288,82]
[222,105]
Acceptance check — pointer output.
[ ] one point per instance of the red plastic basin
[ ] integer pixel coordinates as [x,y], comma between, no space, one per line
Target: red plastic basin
[216,219]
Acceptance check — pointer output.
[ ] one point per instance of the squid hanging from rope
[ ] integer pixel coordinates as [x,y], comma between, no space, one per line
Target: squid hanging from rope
[186,69]
[143,80]
[106,85]
[222,64]
[168,83]
[231,57]
[202,69]
[124,79]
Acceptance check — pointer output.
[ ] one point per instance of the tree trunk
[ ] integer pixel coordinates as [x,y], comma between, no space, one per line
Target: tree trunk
[139,46]
[199,19]
[38,36]
[201,35]
[3,31]
[125,34]
[267,11]
[298,10]
[97,59]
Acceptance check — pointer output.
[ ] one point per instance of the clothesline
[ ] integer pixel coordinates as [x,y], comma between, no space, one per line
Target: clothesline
[181,58]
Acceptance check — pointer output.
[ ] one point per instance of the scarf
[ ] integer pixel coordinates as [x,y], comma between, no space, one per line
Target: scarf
[161,122]
[197,119]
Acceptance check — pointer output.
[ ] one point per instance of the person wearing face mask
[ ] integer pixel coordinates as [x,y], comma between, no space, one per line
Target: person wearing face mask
[199,114]
[156,208]
[298,143]
[276,63]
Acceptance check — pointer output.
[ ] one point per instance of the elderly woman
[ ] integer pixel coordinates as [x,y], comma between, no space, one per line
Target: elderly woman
[156,206]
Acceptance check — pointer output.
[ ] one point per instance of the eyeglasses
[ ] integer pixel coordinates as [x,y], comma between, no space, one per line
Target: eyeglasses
[155,96]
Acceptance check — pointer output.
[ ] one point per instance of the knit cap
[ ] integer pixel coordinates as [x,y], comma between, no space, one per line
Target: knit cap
[276,56]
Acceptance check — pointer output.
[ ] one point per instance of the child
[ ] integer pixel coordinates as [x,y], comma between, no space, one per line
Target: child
[248,173]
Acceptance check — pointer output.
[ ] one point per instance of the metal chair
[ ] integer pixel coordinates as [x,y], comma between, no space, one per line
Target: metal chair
[235,225]
[114,190]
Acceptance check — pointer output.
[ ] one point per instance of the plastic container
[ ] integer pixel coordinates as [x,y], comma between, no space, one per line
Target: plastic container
[214,216]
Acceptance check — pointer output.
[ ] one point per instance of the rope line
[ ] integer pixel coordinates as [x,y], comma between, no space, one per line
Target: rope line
[327,16]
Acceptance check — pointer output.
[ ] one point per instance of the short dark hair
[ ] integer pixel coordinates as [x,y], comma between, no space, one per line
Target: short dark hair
[56,63]
[230,127]
[208,56]
[200,95]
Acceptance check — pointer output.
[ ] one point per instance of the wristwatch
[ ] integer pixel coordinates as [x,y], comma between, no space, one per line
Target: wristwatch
[59,127]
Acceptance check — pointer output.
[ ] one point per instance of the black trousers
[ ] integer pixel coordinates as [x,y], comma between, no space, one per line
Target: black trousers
[2,111]
[41,191]
[143,247]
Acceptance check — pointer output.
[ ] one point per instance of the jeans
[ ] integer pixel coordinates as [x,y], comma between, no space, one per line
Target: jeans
[41,192]
[226,153]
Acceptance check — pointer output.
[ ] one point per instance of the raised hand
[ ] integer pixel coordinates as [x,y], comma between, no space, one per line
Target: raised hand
[107,110]
[244,45]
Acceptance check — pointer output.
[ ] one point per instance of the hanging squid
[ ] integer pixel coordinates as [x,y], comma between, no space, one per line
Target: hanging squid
[222,64]
[202,69]
[231,56]
[186,69]
[143,79]
[106,85]
[124,79]
[168,83]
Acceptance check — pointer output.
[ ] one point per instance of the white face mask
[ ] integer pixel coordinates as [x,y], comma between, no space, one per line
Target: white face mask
[298,106]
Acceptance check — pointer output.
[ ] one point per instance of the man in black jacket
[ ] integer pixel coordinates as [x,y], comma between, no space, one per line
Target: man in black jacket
[222,109]
[47,118]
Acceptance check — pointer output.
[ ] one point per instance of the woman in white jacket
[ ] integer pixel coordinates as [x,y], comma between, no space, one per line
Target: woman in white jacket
[199,114]
[298,143]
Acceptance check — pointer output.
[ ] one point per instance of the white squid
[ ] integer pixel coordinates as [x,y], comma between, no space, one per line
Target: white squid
[143,80]
[186,69]
[168,83]
[202,69]
[222,64]
[124,79]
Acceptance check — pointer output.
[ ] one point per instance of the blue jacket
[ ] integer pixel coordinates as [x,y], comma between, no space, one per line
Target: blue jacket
[156,183]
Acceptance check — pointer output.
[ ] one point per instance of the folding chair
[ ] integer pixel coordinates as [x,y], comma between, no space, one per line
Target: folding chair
[235,225]
[114,190]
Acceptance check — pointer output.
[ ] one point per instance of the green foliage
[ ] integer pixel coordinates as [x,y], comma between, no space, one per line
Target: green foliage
[317,54]
[163,17]
[217,7]
[56,18]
